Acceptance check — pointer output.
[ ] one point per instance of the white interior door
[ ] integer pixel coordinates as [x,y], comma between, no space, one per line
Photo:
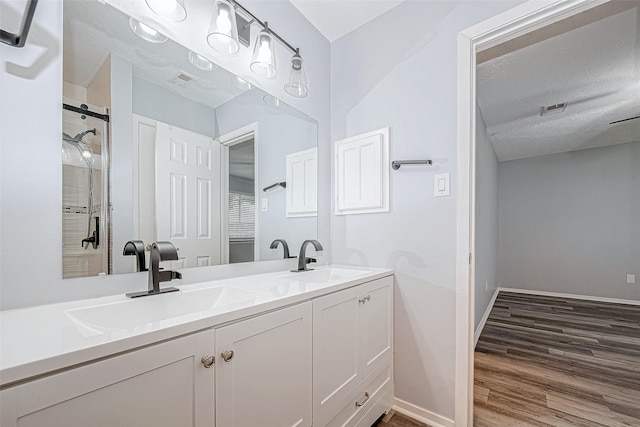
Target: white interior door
[188,194]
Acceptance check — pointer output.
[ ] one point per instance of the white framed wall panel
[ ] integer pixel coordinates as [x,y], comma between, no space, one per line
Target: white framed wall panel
[302,183]
[362,173]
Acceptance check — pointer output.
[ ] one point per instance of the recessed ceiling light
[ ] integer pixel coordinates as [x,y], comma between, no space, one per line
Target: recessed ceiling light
[173,10]
[201,62]
[241,83]
[145,32]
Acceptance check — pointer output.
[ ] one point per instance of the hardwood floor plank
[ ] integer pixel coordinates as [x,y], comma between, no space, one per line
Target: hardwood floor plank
[549,361]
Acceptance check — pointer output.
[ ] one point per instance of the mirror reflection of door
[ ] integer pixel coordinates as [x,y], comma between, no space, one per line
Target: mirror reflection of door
[178,176]
[242,205]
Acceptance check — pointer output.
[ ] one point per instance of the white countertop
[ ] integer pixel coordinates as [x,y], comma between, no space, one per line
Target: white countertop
[41,339]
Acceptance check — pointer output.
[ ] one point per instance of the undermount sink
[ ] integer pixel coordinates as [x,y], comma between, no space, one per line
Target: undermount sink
[133,314]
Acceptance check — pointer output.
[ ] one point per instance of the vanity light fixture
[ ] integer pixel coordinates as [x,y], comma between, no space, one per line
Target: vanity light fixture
[263,61]
[201,62]
[173,10]
[223,29]
[296,85]
[223,37]
[145,32]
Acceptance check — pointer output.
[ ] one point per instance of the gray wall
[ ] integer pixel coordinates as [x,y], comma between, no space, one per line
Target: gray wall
[157,103]
[570,222]
[486,264]
[121,160]
[400,71]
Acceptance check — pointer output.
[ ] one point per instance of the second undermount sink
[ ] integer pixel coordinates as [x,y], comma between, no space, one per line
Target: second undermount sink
[159,309]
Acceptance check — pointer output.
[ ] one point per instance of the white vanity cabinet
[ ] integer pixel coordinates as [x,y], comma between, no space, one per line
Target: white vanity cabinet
[352,354]
[322,359]
[263,370]
[165,384]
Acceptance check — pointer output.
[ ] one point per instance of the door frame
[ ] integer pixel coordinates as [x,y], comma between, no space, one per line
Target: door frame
[513,23]
[227,140]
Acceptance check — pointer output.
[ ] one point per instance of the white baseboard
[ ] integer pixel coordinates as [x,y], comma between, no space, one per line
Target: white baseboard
[573,296]
[485,316]
[420,414]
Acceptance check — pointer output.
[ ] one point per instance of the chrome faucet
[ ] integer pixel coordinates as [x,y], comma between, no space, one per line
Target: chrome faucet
[275,243]
[160,251]
[303,260]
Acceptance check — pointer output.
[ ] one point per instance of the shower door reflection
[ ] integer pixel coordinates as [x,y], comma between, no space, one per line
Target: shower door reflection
[85,248]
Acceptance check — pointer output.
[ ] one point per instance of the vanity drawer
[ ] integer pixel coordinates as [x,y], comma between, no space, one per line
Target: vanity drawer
[374,386]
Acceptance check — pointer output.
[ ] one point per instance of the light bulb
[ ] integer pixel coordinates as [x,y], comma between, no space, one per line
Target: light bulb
[223,22]
[264,52]
[223,31]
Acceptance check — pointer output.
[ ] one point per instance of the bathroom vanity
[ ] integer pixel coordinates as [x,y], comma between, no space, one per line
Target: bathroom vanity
[280,349]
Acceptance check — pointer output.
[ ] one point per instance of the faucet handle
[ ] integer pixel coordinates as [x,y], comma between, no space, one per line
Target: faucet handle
[166,250]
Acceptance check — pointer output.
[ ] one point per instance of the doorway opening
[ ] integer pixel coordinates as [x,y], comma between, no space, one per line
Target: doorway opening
[486,35]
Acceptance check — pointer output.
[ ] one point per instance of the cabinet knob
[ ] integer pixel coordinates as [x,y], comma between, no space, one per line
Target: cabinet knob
[208,361]
[227,355]
[366,397]
[365,299]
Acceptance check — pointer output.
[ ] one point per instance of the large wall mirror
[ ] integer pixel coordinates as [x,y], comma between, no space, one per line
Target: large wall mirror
[161,144]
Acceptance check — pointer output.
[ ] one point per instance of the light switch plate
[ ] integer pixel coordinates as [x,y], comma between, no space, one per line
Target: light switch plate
[441,185]
[265,204]
[631,279]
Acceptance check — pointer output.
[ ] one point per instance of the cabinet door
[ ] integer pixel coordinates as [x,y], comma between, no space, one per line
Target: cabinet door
[162,385]
[335,352]
[266,381]
[376,325]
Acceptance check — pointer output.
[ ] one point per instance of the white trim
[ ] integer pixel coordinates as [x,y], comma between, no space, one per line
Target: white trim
[485,316]
[227,140]
[239,135]
[498,29]
[571,296]
[421,414]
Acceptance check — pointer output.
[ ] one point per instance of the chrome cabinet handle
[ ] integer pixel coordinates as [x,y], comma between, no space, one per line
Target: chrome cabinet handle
[227,355]
[208,361]
[365,299]
[366,397]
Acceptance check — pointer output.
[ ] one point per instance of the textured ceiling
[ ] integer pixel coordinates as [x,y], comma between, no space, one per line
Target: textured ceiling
[335,18]
[594,67]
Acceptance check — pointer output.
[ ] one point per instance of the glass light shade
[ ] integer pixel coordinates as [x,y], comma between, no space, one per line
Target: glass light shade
[173,10]
[263,61]
[241,83]
[201,62]
[223,30]
[297,85]
[145,32]
[271,100]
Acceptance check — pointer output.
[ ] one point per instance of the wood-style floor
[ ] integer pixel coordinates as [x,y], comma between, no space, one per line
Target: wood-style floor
[547,361]
[395,419]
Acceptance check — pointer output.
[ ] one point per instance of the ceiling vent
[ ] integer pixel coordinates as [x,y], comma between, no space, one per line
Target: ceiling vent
[553,109]
[182,79]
